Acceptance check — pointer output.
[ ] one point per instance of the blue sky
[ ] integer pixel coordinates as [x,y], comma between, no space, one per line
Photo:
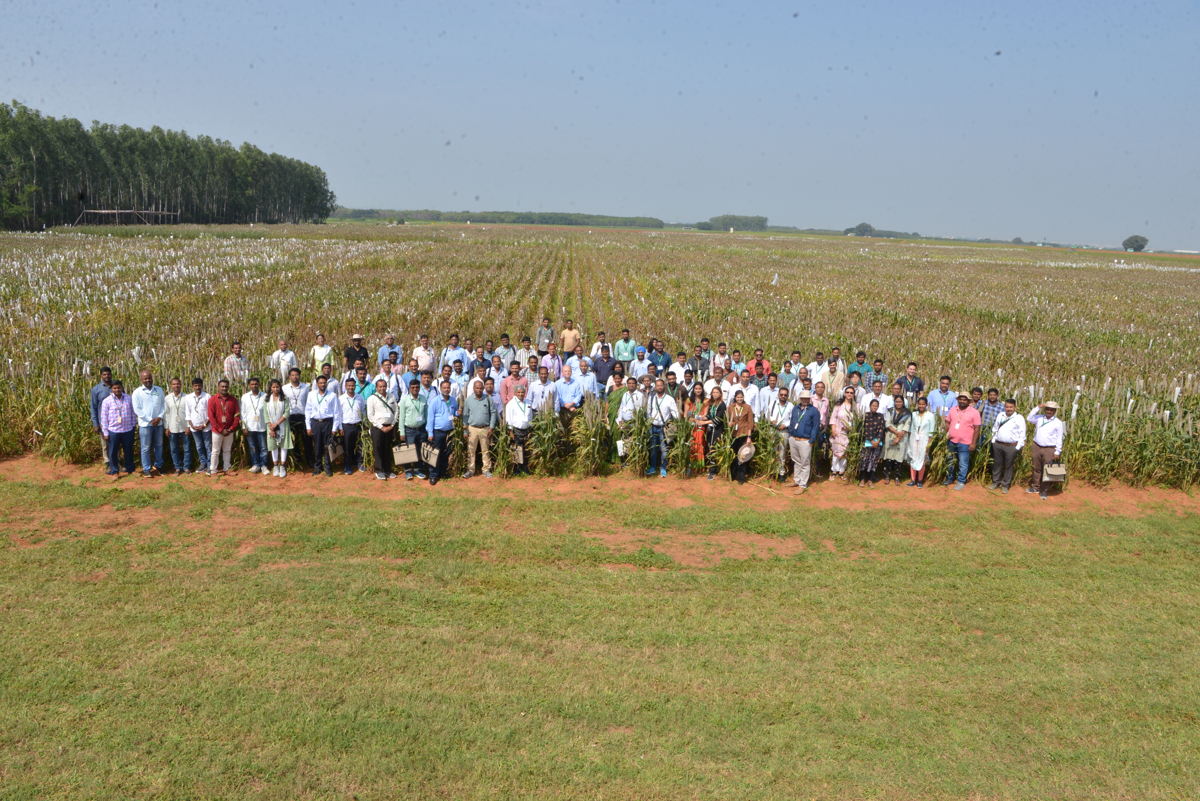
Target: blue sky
[1071,121]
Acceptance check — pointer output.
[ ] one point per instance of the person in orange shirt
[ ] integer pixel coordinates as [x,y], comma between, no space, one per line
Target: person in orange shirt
[569,338]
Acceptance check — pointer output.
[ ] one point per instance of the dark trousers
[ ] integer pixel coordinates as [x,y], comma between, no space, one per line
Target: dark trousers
[322,434]
[520,438]
[440,440]
[120,443]
[350,438]
[658,448]
[300,436]
[381,443]
[1004,462]
[739,471]
[415,436]
[1039,457]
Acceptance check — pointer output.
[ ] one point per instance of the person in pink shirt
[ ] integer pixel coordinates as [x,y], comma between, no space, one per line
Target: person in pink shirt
[962,434]
[508,386]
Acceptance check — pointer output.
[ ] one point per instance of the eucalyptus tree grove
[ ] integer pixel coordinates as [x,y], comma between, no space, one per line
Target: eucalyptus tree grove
[51,169]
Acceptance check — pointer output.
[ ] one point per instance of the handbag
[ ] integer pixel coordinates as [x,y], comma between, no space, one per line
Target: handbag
[429,454]
[405,454]
[335,450]
[518,454]
[621,448]
[1054,472]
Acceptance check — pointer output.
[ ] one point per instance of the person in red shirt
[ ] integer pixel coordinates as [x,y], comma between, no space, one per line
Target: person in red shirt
[962,434]
[758,361]
[225,416]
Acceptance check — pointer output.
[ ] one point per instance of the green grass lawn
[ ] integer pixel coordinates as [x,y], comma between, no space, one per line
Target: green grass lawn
[191,642]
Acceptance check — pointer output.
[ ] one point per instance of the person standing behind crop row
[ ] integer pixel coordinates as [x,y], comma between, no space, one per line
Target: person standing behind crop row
[224,416]
[1048,433]
[116,420]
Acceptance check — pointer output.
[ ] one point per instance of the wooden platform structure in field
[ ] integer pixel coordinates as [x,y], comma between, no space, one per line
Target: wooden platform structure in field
[113,216]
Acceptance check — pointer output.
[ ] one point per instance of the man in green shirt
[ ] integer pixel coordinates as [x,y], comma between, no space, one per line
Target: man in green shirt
[625,349]
[480,418]
[411,417]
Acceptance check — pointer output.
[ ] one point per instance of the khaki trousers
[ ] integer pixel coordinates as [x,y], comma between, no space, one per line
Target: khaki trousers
[801,460]
[479,437]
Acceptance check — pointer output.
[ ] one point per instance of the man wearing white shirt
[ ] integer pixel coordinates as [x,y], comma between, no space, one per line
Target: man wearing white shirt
[717,379]
[353,410]
[283,360]
[1008,437]
[661,410]
[195,409]
[767,397]
[254,425]
[525,353]
[640,365]
[721,358]
[518,416]
[175,424]
[678,367]
[598,345]
[631,401]
[295,392]
[322,417]
[1048,433]
[541,391]
[876,393]
[749,391]
[424,354]
[777,411]
[148,407]
[390,378]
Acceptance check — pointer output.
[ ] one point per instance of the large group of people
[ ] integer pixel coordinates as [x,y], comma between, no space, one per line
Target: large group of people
[315,409]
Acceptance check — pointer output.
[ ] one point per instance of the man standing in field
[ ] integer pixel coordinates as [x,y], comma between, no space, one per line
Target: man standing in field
[236,366]
[941,400]
[439,424]
[1008,437]
[698,364]
[597,346]
[962,434]
[661,409]
[117,419]
[295,392]
[506,351]
[625,349]
[98,394]
[386,350]
[912,385]
[544,337]
[254,423]
[552,362]
[175,421]
[541,391]
[424,354]
[283,360]
[225,417]
[148,404]
[452,353]
[195,409]
[411,418]
[804,433]
[570,337]
[1048,434]
[322,416]
[355,352]
[480,418]
[518,415]
[525,353]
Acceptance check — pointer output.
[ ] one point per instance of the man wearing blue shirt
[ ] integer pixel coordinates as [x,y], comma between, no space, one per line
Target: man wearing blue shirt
[452,352]
[568,395]
[440,414]
[942,400]
[803,432]
[99,393]
[659,357]
[389,347]
[149,403]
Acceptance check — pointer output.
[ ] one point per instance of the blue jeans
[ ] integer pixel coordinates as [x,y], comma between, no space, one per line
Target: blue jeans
[122,442]
[181,455]
[963,454]
[658,447]
[203,442]
[415,436]
[151,438]
[256,441]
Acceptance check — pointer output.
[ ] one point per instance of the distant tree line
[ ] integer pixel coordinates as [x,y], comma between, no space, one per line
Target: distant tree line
[51,169]
[736,222]
[866,229]
[513,217]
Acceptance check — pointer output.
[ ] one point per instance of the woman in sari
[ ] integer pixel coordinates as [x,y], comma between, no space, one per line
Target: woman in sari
[895,447]
[741,422]
[693,411]
[279,431]
[874,429]
[841,421]
[714,414]
[921,428]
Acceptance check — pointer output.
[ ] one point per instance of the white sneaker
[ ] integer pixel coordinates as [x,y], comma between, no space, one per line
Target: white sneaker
[282,472]
[275,470]
[254,469]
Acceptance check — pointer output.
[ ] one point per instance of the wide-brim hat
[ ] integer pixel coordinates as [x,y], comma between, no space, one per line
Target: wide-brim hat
[963,394]
[357,336]
[745,453]
[1050,405]
[804,393]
